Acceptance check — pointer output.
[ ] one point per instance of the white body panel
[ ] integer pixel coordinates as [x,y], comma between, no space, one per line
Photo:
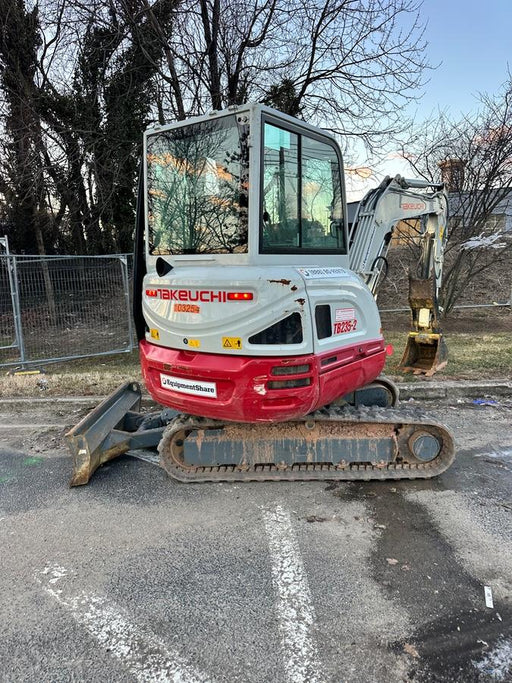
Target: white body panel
[277,293]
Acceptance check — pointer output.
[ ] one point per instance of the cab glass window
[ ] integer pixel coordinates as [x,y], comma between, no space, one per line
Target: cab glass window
[197,188]
[302,207]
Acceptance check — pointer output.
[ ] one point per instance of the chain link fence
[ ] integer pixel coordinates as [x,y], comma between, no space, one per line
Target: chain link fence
[62,308]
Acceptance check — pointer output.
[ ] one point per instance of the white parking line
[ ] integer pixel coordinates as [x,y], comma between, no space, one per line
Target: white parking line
[294,607]
[144,654]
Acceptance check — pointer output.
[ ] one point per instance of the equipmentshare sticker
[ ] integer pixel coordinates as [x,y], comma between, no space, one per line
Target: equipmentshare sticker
[187,386]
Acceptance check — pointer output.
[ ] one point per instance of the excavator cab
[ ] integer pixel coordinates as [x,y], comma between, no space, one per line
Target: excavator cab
[247,308]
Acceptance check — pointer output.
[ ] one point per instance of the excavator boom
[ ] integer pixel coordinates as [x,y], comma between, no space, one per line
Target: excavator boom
[399,199]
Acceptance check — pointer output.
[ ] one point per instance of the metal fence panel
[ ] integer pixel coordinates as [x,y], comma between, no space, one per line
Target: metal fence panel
[8,338]
[69,307]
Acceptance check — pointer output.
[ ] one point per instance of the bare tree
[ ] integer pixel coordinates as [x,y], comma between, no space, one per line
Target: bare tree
[474,157]
[78,94]
[23,170]
[81,79]
[349,66]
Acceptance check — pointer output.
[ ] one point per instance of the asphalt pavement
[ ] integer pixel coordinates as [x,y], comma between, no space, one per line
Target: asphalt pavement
[136,577]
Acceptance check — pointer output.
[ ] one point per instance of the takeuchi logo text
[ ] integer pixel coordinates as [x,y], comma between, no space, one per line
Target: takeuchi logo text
[204,295]
[413,206]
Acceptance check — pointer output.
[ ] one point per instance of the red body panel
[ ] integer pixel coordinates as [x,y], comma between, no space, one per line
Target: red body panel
[242,382]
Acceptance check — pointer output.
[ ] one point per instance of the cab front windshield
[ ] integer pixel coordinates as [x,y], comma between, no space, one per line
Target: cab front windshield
[197,183]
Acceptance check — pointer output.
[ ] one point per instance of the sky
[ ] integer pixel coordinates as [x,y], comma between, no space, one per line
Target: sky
[471,41]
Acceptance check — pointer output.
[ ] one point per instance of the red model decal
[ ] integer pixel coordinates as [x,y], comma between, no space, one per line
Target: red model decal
[344,326]
[186,308]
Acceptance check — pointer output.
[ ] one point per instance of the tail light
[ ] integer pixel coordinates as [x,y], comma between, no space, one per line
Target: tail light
[292,383]
[240,296]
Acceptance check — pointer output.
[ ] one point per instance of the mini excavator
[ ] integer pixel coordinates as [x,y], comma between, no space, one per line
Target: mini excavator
[255,309]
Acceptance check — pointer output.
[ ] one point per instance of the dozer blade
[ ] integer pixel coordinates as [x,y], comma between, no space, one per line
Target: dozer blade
[109,431]
[425,354]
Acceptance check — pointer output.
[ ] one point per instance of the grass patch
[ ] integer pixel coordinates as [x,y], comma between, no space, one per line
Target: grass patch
[471,356]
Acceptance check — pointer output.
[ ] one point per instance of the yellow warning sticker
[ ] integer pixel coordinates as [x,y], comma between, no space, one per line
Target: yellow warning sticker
[155,334]
[232,343]
[195,343]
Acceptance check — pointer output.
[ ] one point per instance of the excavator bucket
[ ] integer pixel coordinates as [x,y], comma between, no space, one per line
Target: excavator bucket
[114,427]
[425,353]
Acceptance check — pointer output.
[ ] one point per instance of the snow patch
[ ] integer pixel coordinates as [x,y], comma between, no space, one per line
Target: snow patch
[484,242]
[498,662]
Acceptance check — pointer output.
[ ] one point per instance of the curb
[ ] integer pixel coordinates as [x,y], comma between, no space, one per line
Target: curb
[452,389]
[426,391]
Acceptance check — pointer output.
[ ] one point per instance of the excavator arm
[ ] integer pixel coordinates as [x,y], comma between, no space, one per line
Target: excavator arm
[397,199]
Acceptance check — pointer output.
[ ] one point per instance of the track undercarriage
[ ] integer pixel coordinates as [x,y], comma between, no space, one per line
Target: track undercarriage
[335,443]
[350,441]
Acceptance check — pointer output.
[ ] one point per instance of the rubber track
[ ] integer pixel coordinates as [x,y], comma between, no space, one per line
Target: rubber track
[400,418]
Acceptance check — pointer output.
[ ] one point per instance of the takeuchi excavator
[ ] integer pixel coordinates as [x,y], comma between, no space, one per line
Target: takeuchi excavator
[255,309]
